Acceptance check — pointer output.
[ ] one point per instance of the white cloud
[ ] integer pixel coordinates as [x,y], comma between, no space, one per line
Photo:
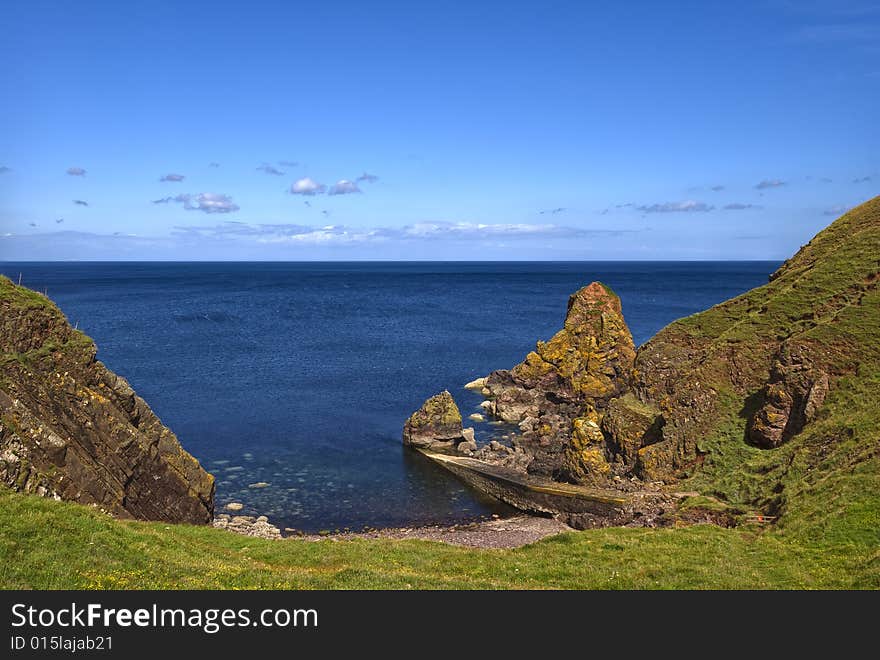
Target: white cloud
[206,202]
[173,178]
[76,171]
[307,186]
[343,187]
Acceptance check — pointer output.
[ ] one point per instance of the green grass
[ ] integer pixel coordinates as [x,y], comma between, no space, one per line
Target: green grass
[56,545]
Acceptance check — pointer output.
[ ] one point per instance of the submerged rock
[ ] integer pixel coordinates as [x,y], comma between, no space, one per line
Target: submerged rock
[72,429]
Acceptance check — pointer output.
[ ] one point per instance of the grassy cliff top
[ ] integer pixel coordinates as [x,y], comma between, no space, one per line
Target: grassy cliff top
[820,311]
[833,271]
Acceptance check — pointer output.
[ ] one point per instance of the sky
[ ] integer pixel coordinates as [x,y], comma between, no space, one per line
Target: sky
[449,131]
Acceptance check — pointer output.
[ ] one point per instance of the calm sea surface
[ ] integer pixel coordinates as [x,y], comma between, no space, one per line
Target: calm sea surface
[301,375]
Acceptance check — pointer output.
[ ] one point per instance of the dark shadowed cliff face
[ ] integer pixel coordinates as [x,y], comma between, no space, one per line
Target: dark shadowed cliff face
[72,429]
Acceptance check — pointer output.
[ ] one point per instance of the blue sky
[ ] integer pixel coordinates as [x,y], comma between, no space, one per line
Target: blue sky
[455,130]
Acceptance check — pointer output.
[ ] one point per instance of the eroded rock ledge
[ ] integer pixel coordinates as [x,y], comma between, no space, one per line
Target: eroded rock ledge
[72,429]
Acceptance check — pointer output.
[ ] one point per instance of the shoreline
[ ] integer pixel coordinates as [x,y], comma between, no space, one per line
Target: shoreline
[496,533]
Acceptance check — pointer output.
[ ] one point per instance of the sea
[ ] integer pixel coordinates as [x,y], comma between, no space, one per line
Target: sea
[291,382]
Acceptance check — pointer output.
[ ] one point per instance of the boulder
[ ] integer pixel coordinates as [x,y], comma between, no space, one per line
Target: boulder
[796,390]
[629,425]
[435,426]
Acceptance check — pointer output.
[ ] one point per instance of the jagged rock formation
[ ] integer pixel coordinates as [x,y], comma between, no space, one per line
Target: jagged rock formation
[72,429]
[557,393]
[755,370]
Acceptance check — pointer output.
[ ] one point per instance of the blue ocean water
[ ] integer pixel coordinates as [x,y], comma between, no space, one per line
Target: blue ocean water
[301,375]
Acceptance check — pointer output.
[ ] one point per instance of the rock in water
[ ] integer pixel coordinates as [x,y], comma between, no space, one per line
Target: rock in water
[73,430]
[477,384]
[584,365]
[435,426]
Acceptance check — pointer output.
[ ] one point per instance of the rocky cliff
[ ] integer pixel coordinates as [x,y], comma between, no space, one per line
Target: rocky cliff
[557,394]
[72,429]
[694,404]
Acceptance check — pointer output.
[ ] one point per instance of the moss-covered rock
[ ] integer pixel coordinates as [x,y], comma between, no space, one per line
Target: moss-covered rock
[629,425]
[582,367]
[436,425]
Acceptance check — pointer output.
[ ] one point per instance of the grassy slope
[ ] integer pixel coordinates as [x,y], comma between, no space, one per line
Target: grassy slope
[826,482]
[48,544]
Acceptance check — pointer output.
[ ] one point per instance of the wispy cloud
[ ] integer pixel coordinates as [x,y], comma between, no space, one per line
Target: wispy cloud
[76,171]
[738,206]
[343,187]
[422,231]
[80,202]
[269,169]
[825,179]
[558,209]
[173,178]
[288,163]
[769,183]
[213,164]
[307,186]
[687,206]
[205,202]
[716,188]
[836,210]
[367,178]
[863,179]
[4,169]
[832,33]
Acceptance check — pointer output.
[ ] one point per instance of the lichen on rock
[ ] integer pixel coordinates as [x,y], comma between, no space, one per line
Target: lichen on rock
[580,369]
[436,425]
